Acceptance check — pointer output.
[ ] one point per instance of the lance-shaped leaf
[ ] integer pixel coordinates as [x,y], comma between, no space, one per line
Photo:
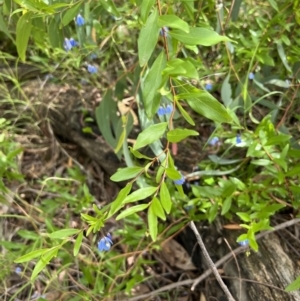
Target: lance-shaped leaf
[158,209]
[64,233]
[131,210]
[198,36]
[140,194]
[117,203]
[152,82]
[205,104]
[23,30]
[165,198]
[123,174]
[149,135]
[152,223]
[173,22]
[180,67]
[146,6]
[78,243]
[184,113]
[180,134]
[148,38]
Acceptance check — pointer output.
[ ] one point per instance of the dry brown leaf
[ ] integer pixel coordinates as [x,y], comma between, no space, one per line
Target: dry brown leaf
[124,108]
[232,227]
[175,255]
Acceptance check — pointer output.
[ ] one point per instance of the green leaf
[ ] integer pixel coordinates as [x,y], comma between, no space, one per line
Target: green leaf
[226,206]
[173,21]
[273,4]
[28,234]
[205,104]
[146,6]
[189,8]
[294,171]
[213,211]
[64,233]
[71,13]
[226,91]
[110,7]
[148,38]
[38,268]
[152,223]
[157,208]
[31,255]
[3,27]
[244,216]
[121,141]
[77,244]
[165,198]
[151,134]
[295,285]
[184,113]
[131,210]
[140,194]
[55,34]
[22,34]
[104,112]
[265,58]
[180,67]
[242,237]
[117,203]
[253,244]
[180,134]
[123,174]
[283,57]
[139,155]
[159,173]
[173,174]
[90,219]
[261,162]
[198,36]
[45,259]
[152,82]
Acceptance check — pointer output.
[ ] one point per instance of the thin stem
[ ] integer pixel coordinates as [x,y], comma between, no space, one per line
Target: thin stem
[210,262]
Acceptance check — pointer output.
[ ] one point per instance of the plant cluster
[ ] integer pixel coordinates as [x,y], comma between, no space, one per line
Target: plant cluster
[192,62]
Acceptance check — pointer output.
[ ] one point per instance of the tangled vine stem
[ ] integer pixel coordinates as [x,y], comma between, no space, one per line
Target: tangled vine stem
[195,282]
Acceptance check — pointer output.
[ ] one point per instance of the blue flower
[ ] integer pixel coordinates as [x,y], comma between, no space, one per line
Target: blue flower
[244,243]
[208,86]
[79,20]
[92,69]
[105,243]
[213,141]
[164,31]
[251,75]
[73,42]
[18,270]
[161,111]
[169,109]
[238,139]
[180,181]
[67,44]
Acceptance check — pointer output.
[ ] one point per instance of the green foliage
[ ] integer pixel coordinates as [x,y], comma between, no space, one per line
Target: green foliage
[9,151]
[295,285]
[253,68]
